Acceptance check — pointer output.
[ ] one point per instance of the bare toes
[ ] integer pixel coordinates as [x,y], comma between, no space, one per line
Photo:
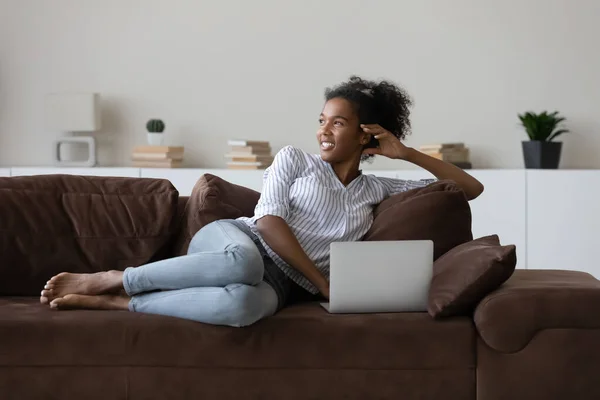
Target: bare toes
[53,280]
[60,276]
[55,303]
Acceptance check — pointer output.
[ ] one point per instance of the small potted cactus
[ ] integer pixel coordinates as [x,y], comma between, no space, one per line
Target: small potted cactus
[155,129]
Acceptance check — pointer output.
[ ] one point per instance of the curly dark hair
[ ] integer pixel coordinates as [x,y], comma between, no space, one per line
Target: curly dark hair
[383,103]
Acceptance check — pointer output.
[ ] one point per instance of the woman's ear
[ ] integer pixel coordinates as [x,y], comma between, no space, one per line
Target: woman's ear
[366,138]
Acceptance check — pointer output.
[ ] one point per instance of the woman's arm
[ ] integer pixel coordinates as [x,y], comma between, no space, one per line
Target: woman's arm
[443,170]
[272,210]
[390,146]
[278,235]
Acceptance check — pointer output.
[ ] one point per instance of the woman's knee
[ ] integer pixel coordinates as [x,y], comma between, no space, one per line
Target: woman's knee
[239,251]
[247,304]
[248,260]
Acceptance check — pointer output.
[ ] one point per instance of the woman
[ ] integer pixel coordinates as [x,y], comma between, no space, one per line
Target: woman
[239,271]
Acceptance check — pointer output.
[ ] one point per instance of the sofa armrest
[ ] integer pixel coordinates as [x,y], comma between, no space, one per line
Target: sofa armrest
[534,300]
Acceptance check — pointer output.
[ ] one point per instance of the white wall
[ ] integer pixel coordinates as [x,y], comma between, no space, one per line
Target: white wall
[257,69]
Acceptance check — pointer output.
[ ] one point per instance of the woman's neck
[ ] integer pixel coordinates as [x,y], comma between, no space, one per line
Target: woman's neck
[347,171]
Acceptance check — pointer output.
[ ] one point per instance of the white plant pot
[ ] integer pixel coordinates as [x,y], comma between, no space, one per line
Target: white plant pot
[155,138]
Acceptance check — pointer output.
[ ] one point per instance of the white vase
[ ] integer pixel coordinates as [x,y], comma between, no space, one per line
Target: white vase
[155,138]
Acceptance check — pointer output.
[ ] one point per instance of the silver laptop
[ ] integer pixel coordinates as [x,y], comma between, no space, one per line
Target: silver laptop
[379,276]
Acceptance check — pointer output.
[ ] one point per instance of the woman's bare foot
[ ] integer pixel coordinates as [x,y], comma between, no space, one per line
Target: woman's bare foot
[86,284]
[100,302]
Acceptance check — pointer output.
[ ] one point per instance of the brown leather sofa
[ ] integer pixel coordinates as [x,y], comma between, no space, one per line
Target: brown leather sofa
[535,337]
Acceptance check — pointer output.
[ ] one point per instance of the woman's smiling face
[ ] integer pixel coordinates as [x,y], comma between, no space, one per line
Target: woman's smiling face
[340,136]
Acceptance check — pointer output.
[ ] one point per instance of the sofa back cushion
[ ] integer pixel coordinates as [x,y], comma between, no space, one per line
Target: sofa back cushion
[50,224]
[439,212]
[212,199]
[467,273]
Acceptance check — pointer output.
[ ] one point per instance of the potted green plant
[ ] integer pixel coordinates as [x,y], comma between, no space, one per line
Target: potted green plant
[155,129]
[541,151]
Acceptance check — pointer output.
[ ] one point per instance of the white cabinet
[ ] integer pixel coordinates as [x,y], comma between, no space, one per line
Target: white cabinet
[552,216]
[500,209]
[182,178]
[252,179]
[563,220]
[96,171]
[185,179]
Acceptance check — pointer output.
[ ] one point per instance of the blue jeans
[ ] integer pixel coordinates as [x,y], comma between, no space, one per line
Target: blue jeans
[220,281]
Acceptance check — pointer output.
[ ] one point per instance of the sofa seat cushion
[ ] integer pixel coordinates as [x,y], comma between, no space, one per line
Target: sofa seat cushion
[302,336]
[68,223]
[533,300]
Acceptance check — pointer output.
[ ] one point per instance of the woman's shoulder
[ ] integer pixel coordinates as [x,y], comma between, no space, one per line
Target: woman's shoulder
[294,154]
[374,184]
[374,179]
[289,151]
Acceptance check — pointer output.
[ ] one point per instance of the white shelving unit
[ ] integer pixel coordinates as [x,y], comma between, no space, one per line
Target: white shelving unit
[552,216]
[184,179]
[97,171]
[501,209]
[563,220]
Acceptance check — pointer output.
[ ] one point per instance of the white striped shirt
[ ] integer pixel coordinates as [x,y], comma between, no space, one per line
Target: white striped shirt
[304,190]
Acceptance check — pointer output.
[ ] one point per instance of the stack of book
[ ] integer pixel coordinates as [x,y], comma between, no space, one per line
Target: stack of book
[453,153]
[157,156]
[248,154]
